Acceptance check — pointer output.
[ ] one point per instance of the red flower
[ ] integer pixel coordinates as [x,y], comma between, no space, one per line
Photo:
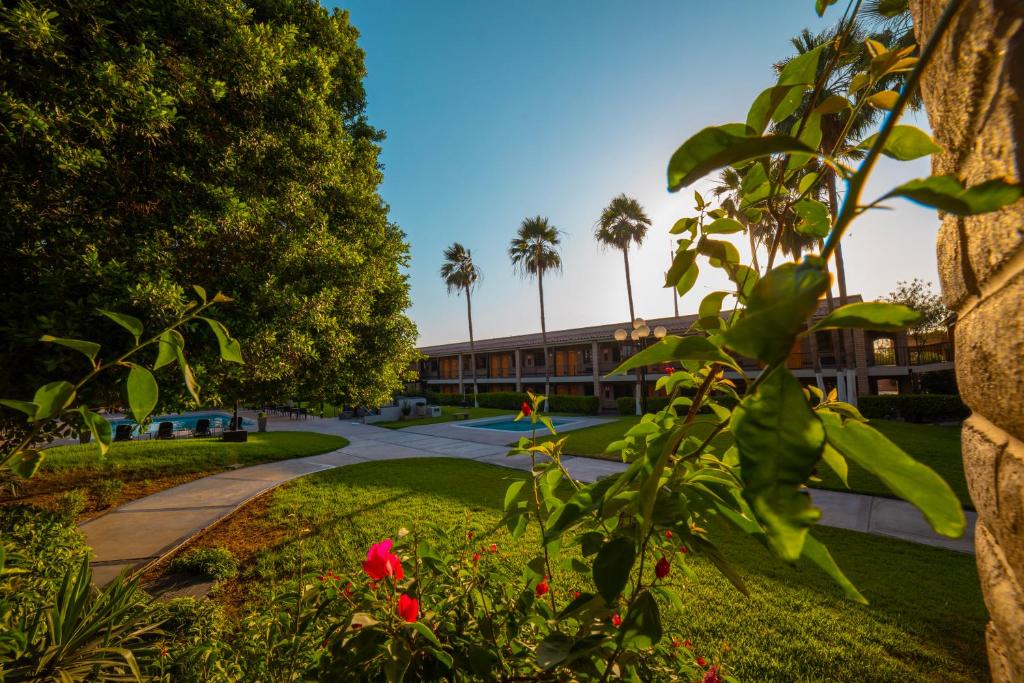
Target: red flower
[408,608]
[711,676]
[494,547]
[668,534]
[669,369]
[701,661]
[683,549]
[469,535]
[381,562]
[526,409]
[348,588]
[662,569]
[687,644]
[476,557]
[542,587]
[616,620]
[575,594]
[676,642]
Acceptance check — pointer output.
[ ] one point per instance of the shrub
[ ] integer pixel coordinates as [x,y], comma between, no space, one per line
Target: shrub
[216,563]
[437,399]
[513,400]
[70,504]
[914,407]
[107,492]
[938,382]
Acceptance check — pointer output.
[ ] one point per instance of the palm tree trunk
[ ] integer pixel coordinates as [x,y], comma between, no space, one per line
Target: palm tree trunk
[544,333]
[629,284]
[847,338]
[472,348]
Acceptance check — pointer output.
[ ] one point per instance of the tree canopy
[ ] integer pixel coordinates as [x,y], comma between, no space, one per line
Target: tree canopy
[149,145]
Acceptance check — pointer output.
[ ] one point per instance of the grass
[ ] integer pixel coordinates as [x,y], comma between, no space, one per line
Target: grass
[925,623]
[447,415]
[937,446]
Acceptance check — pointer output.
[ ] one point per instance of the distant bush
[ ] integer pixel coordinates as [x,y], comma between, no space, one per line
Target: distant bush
[938,382]
[512,400]
[70,504]
[106,492]
[627,404]
[914,407]
[438,399]
[216,563]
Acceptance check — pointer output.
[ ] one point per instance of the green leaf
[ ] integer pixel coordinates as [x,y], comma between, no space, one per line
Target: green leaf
[130,323]
[26,407]
[612,566]
[833,104]
[907,478]
[680,264]
[837,463]
[99,427]
[746,278]
[869,315]
[688,279]
[641,629]
[424,631]
[512,493]
[230,349]
[201,292]
[553,650]
[884,99]
[719,252]
[673,348]
[904,143]
[52,398]
[816,552]
[774,104]
[142,392]
[715,147]
[723,226]
[170,344]
[780,439]
[684,225]
[715,557]
[802,69]
[189,377]
[777,309]
[25,463]
[709,313]
[815,218]
[821,5]
[87,348]
[946,193]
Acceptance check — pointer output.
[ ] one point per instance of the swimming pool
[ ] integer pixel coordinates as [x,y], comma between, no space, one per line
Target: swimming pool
[510,425]
[187,422]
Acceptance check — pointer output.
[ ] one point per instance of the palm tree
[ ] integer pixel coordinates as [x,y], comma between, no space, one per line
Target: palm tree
[622,222]
[460,274]
[534,251]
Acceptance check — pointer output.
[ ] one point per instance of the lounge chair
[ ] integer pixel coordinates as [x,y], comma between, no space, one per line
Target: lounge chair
[165,430]
[202,428]
[123,432]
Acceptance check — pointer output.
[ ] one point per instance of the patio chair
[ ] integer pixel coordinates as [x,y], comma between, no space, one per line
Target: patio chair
[123,432]
[202,428]
[165,430]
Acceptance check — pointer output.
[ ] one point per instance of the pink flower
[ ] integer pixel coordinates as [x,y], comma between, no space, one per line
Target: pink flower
[542,587]
[662,569]
[408,608]
[711,676]
[526,409]
[381,562]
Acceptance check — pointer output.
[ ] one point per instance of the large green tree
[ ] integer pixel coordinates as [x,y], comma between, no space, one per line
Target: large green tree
[151,144]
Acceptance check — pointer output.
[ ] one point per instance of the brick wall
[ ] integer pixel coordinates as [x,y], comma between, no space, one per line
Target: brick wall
[974,96]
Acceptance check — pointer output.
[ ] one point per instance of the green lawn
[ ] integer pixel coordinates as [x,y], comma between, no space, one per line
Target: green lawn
[925,623]
[447,415]
[934,445]
[184,456]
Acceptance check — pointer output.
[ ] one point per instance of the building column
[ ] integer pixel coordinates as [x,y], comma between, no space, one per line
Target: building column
[462,389]
[519,371]
[860,363]
[974,95]
[596,361]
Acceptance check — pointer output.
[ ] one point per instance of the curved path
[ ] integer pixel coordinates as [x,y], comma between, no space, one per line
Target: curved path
[141,532]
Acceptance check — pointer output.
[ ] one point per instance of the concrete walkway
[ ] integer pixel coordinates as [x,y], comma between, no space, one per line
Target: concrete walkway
[141,532]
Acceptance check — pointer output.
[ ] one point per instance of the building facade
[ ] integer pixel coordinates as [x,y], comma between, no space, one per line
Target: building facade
[580,360]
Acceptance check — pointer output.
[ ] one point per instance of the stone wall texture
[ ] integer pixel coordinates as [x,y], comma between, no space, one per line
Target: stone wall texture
[974,96]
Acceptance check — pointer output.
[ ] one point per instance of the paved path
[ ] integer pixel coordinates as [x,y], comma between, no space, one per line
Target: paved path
[138,533]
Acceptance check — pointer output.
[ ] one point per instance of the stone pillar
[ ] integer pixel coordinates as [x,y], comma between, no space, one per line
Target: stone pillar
[860,363]
[519,371]
[462,389]
[596,361]
[974,96]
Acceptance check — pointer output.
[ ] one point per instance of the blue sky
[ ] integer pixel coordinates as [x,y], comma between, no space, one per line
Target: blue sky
[498,111]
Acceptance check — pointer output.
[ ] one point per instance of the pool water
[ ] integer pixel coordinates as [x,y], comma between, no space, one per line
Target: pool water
[511,425]
[185,422]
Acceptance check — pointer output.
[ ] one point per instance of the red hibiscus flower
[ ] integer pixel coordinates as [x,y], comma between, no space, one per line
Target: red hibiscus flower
[668,534]
[701,661]
[469,535]
[526,409]
[676,642]
[408,608]
[381,562]
[662,569]
[575,594]
[476,557]
[687,644]
[711,676]
[669,369]
[494,547]
[542,587]
[616,620]
[683,549]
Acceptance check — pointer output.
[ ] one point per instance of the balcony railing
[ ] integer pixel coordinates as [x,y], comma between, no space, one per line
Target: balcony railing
[925,354]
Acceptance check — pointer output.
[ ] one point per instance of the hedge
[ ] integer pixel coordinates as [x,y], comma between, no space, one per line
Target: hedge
[914,407]
[512,400]
[627,404]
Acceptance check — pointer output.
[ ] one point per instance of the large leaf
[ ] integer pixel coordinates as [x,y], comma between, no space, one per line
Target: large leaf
[142,392]
[777,309]
[774,104]
[171,344]
[802,69]
[230,349]
[641,629]
[869,315]
[905,143]
[723,226]
[946,193]
[816,552]
[87,348]
[718,146]
[709,314]
[673,348]
[780,440]
[815,219]
[612,566]
[25,463]
[128,322]
[907,478]
[680,264]
[99,427]
[26,407]
[52,398]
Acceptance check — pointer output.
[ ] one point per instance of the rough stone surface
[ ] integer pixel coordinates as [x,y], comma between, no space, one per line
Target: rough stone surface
[974,95]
